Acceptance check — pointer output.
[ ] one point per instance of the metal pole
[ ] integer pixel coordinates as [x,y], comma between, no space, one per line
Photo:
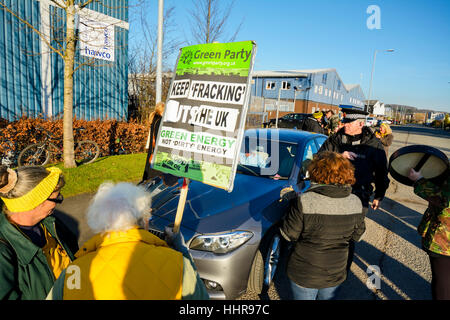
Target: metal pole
[295,96]
[278,106]
[159,52]
[371,79]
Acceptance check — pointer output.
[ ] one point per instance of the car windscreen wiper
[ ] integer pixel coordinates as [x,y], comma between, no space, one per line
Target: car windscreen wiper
[247,169]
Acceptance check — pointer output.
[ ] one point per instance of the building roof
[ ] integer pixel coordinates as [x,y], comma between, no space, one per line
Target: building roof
[289,73]
[351,86]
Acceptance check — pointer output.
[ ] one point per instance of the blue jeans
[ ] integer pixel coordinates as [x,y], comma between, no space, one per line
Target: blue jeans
[302,293]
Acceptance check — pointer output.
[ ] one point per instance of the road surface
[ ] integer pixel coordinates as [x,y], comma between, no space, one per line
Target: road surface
[391,243]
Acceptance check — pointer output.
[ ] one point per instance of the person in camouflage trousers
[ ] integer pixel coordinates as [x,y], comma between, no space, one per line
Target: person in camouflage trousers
[332,122]
[435,230]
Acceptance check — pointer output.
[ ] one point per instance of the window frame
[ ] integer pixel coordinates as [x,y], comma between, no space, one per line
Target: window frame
[270,85]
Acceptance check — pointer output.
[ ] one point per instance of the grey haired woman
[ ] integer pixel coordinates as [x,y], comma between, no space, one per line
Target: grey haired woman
[35,246]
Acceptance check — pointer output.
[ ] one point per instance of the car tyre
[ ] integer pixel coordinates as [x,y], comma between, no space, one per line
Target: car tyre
[265,262]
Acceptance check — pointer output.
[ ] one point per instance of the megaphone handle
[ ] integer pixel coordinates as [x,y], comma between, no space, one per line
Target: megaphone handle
[421,162]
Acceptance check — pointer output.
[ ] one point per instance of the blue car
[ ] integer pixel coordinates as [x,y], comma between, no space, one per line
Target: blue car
[233,236]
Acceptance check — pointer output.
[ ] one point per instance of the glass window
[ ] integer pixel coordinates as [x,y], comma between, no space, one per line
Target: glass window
[285,85]
[260,157]
[270,85]
[324,78]
[320,141]
[310,150]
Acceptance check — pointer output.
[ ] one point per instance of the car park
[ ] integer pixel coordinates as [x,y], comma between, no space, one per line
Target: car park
[290,120]
[233,236]
[379,122]
[371,121]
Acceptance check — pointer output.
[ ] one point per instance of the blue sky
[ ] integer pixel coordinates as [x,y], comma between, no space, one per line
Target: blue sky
[297,34]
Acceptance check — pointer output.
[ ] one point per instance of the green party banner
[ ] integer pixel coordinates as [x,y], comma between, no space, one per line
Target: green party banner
[204,119]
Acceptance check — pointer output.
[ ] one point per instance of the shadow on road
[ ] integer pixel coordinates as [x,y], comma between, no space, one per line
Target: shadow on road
[398,218]
[398,281]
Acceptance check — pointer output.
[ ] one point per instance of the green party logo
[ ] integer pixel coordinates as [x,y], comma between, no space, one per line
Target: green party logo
[186,57]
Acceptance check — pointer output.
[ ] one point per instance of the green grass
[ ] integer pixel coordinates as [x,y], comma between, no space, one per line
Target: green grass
[87,178]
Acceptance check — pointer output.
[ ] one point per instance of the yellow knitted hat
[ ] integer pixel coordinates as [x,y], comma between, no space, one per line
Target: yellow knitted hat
[318,114]
[36,196]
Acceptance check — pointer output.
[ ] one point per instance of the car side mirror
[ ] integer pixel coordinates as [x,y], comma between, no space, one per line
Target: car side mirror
[304,173]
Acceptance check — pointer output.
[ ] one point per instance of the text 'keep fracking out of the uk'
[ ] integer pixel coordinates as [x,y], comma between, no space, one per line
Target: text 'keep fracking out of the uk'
[217,118]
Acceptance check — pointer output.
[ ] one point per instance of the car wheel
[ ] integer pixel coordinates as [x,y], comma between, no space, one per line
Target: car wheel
[265,262]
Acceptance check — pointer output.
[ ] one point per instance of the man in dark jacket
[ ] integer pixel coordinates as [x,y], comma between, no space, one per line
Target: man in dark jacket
[314,123]
[357,143]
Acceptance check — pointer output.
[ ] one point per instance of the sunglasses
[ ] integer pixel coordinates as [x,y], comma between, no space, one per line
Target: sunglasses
[58,199]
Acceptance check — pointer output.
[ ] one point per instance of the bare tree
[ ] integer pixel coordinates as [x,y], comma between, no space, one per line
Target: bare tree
[64,45]
[209,21]
[142,61]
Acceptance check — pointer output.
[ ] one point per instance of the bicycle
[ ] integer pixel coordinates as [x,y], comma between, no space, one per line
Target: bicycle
[9,158]
[39,154]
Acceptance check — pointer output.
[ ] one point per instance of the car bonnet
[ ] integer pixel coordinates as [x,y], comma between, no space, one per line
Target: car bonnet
[250,196]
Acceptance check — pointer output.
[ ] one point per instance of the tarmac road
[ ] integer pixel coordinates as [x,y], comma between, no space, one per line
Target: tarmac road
[390,243]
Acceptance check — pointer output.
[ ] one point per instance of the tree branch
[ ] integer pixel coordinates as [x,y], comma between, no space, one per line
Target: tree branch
[29,25]
[81,6]
[58,4]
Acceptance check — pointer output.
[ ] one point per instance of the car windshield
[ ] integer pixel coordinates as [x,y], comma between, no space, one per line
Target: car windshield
[268,158]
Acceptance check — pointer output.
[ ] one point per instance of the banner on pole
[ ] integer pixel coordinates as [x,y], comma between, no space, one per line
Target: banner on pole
[204,119]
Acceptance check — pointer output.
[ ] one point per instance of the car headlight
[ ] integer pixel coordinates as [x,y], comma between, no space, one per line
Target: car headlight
[221,243]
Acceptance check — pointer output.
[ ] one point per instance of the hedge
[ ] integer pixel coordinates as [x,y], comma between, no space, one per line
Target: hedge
[112,136]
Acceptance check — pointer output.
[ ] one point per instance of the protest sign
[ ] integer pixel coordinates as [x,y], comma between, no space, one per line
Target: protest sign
[204,120]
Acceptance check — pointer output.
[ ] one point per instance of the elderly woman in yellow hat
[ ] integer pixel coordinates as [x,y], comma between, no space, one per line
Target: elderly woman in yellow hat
[35,246]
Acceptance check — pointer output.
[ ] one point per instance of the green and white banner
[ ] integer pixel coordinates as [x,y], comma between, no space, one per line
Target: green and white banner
[204,119]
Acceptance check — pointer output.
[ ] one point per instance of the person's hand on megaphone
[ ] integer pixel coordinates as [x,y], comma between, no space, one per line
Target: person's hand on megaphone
[414,175]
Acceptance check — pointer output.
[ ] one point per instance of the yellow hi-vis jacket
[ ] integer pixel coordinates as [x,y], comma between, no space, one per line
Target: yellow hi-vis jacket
[132,264]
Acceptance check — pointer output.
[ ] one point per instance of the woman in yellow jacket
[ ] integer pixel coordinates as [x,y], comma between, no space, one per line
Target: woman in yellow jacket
[123,261]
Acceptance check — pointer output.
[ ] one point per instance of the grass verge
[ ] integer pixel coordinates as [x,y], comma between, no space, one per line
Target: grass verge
[87,178]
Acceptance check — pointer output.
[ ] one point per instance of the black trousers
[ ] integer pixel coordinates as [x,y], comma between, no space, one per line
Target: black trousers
[440,281]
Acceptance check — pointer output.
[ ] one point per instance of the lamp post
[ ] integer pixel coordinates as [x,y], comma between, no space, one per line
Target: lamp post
[296,89]
[158,96]
[371,75]
[278,106]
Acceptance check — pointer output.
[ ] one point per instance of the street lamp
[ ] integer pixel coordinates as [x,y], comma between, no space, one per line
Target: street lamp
[297,89]
[371,76]
[278,106]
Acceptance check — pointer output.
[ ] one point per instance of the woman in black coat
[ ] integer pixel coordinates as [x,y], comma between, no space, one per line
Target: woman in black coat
[155,121]
[321,223]
[149,172]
